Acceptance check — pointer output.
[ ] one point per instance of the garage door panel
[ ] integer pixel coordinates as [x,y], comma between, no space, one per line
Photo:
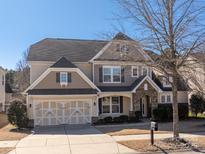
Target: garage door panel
[62,112]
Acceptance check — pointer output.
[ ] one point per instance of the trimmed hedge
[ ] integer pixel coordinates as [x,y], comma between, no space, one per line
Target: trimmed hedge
[164,112]
[108,119]
[120,119]
[123,118]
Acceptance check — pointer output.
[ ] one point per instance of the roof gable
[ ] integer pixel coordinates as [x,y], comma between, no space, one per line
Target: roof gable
[111,53]
[63,63]
[122,36]
[147,78]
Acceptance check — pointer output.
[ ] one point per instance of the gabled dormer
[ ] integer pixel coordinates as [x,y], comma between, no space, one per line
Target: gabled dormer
[120,62]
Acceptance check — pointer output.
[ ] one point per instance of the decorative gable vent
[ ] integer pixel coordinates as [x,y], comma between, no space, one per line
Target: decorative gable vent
[122,47]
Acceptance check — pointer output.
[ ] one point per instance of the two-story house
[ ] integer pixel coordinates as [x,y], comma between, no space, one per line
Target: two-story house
[2,89]
[79,81]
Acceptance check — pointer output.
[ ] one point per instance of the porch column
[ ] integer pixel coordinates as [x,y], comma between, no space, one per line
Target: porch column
[97,105]
[131,103]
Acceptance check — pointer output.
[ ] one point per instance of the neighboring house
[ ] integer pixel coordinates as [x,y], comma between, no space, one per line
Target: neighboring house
[2,89]
[196,73]
[80,81]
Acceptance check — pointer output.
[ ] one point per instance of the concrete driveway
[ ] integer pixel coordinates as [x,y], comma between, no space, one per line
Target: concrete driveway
[69,139]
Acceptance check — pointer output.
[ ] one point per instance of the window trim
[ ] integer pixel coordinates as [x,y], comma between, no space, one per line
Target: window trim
[165,98]
[135,67]
[146,69]
[111,104]
[145,86]
[64,82]
[112,67]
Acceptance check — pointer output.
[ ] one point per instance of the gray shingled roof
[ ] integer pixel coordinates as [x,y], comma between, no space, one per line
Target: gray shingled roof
[122,88]
[62,91]
[63,63]
[121,36]
[73,49]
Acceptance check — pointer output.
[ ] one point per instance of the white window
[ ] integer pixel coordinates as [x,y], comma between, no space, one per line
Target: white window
[115,104]
[144,71]
[111,74]
[168,98]
[134,71]
[106,105]
[145,86]
[111,104]
[163,98]
[63,77]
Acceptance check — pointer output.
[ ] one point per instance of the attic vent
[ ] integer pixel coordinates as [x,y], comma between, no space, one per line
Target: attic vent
[122,48]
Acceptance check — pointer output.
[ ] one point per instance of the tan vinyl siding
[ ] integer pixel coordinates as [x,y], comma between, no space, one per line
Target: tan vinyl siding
[126,105]
[183,97]
[49,82]
[36,69]
[86,68]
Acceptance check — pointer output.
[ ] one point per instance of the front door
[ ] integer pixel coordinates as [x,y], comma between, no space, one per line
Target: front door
[145,106]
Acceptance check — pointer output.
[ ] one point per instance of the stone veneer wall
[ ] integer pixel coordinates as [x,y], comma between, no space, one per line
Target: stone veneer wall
[140,92]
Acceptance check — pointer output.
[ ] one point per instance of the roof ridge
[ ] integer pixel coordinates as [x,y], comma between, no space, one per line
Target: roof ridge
[73,39]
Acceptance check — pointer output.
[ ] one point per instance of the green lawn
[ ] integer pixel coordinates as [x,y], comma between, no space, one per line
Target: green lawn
[199,115]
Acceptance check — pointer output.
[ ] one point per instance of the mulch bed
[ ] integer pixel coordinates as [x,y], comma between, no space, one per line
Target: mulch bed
[10,132]
[166,145]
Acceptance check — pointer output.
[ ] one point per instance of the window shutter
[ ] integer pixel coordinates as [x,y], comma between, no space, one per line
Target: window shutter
[58,77]
[100,74]
[100,105]
[121,104]
[122,74]
[69,77]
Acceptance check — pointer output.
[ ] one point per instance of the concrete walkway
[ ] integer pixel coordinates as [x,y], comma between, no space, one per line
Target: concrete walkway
[8,144]
[69,140]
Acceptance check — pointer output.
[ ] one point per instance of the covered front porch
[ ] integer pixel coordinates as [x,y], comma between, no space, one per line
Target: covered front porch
[114,104]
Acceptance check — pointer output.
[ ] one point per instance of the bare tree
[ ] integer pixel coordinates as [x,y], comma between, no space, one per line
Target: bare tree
[175,29]
[22,75]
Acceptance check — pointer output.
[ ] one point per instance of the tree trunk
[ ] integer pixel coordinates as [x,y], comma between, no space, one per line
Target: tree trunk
[175,110]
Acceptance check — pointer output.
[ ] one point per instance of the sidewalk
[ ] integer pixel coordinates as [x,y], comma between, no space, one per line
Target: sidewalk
[156,136]
[8,144]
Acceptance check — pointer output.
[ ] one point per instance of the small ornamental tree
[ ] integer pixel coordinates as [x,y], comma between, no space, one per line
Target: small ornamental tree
[197,103]
[17,114]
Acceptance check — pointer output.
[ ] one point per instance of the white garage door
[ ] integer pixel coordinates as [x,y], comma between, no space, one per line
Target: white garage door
[62,112]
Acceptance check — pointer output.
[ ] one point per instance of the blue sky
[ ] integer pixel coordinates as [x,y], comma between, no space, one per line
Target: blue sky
[24,22]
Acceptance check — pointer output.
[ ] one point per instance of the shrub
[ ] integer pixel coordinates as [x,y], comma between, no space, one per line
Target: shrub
[17,114]
[197,103]
[123,118]
[132,119]
[108,119]
[99,122]
[117,120]
[164,112]
[138,115]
